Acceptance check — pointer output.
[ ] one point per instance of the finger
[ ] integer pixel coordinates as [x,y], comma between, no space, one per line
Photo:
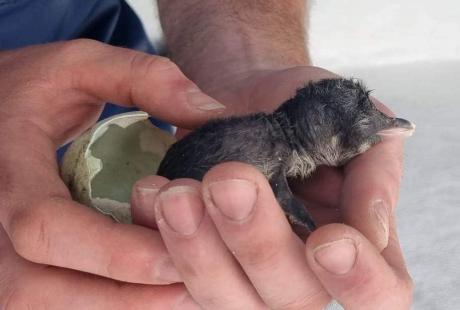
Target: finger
[255,229]
[355,273]
[63,233]
[152,83]
[46,227]
[209,271]
[143,194]
[371,189]
[82,73]
[27,285]
[155,84]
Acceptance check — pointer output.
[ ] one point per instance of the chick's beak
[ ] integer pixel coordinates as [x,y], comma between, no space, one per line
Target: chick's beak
[398,127]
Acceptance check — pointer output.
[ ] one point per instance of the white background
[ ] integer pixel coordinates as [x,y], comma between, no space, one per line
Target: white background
[409,52]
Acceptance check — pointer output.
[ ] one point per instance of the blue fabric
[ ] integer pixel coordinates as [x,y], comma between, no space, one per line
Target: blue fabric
[29,22]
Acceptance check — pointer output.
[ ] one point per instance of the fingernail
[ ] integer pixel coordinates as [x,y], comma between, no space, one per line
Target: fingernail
[381,213]
[235,198]
[186,303]
[166,273]
[201,101]
[337,257]
[182,209]
[145,196]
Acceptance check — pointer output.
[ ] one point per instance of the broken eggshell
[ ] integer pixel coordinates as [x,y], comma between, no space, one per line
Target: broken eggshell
[102,165]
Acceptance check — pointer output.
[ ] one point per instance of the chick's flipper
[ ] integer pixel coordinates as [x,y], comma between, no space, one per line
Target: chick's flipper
[296,212]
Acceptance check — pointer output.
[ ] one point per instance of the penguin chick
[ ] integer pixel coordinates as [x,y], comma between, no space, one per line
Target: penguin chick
[326,123]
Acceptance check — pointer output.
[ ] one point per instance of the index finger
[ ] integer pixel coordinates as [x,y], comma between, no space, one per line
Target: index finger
[48,81]
[154,84]
[26,285]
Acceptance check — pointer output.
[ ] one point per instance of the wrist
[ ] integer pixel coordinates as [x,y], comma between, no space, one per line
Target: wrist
[216,41]
[240,61]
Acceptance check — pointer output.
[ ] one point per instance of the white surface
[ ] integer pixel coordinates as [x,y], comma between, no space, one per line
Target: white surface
[371,32]
[428,211]
[409,52]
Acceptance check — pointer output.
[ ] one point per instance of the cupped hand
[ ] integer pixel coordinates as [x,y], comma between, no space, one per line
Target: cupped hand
[50,94]
[363,193]
[235,249]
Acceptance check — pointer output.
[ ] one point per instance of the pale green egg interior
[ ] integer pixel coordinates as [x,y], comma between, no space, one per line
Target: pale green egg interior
[124,161]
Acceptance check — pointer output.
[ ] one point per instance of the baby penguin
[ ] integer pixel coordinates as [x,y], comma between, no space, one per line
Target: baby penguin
[326,123]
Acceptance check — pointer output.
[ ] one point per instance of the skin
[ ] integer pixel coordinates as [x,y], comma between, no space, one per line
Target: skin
[261,64]
[233,257]
[52,249]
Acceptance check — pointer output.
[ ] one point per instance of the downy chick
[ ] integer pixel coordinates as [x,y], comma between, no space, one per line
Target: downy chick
[326,123]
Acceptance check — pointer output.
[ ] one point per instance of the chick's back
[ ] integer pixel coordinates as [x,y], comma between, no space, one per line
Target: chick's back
[252,139]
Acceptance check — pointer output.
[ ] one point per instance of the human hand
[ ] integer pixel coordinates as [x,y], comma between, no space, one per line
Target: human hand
[50,94]
[235,249]
[363,193]
[252,57]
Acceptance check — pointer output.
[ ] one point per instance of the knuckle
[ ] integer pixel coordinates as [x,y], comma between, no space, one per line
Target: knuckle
[160,63]
[147,66]
[317,300]
[75,47]
[68,58]
[113,264]
[263,254]
[149,70]
[29,233]
[361,283]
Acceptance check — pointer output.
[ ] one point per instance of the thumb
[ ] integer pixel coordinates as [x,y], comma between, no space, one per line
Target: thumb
[354,273]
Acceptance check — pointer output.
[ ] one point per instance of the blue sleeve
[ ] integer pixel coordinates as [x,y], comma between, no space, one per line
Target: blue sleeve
[29,22]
